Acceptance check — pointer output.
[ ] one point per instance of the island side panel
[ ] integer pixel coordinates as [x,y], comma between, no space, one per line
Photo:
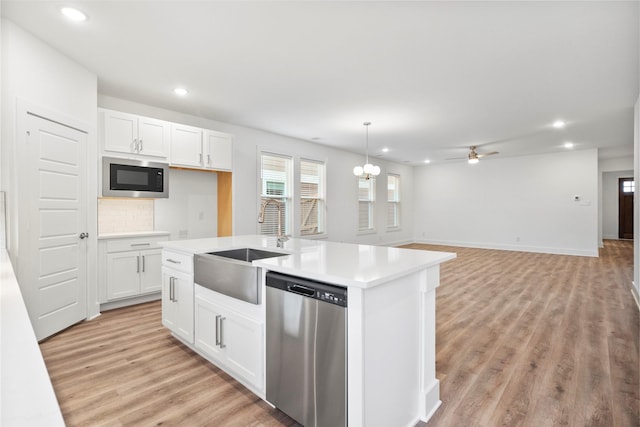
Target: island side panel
[429,384]
[387,346]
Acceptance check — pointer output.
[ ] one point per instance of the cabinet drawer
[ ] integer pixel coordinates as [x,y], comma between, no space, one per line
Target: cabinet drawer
[134,243]
[177,261]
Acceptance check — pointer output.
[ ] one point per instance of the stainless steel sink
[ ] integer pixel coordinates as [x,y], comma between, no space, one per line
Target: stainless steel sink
[231,273]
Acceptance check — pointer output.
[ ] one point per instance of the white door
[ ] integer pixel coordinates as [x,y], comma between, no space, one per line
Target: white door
[186,145]
[123,274]
[56,180]
[120,131]
[151,271]
[218,150]
[153,137]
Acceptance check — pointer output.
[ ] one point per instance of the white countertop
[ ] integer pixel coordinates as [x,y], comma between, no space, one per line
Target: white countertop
[133,234]
[344,264]
[27,397]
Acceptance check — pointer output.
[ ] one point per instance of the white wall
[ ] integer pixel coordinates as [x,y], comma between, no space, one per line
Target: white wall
[519,203]
[342,206]
[610,202]
[191,211]
[34,73]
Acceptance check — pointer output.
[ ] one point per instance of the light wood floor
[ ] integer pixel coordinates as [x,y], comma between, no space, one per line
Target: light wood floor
[522,340]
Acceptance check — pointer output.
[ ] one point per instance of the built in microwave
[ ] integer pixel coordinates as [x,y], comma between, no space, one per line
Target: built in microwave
[134,178]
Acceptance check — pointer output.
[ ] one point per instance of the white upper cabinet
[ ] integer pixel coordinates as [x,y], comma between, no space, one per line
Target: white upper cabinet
[181,145]
[218,150]
[134,135]
[186,146]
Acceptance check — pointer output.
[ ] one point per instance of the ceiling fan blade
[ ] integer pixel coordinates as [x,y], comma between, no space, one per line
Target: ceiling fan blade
[457,158]
[487,154]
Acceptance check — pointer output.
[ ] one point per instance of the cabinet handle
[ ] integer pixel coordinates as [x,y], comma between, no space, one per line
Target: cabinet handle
[174,261]
[200,158]
[172,289]
[140,150]
[139,244]
[138,271]
[209,159]
[218,329]
[222,344]
[135,145]
[143,263]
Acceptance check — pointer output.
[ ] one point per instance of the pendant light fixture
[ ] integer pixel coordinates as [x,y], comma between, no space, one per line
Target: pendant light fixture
[368,170]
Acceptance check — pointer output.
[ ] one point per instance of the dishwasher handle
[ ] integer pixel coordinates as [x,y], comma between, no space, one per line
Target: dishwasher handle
[302,290]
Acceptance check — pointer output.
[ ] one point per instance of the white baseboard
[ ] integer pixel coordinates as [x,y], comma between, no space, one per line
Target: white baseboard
[130,301]
[516,248]
[636,297]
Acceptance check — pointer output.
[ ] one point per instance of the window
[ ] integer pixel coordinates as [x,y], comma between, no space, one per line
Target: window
[393,201]
[366,199]
[312,213]
[275,176]
[628,186]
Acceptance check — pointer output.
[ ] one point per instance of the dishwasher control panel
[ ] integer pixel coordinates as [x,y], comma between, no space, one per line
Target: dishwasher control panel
[309,288]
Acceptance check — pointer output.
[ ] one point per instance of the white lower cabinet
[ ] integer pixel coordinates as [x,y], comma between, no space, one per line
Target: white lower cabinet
[129,268]
[133,273]
[233,341]
[177,303]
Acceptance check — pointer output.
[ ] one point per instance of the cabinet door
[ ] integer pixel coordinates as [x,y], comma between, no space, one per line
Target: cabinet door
[119,131]
[218,150]
[153,137]
[242,337]
[186,145]
[207,329]
[150,271]
[123,275]
[177,303]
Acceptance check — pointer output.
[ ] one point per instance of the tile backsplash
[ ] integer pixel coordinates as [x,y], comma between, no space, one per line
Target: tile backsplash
[124,215]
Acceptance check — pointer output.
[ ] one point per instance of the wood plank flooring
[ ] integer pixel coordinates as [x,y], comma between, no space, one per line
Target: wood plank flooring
[523,339]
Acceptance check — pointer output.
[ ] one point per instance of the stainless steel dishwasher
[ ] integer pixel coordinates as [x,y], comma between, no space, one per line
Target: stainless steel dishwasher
[306,344]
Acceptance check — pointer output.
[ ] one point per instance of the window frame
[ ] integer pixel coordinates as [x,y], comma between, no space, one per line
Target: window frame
[322,198]
[371,202]
[287,197]
[396,202]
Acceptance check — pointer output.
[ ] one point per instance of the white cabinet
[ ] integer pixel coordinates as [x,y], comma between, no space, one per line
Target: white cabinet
[134,135]
[133,273]
[217,150]
[129,267]
[177,303]
[186,146]
[177,294]
[201,148]
[233,341]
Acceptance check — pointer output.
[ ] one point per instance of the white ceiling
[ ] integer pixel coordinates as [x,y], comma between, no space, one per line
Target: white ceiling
[432,77]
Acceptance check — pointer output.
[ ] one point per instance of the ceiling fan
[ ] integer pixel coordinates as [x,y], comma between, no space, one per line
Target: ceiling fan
[473,156]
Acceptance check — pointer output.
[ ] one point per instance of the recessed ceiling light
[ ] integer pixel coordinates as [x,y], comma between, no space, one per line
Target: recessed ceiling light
[427,161]
[180,91]
[73,14]
[558,124]
[385,150]
[568,144]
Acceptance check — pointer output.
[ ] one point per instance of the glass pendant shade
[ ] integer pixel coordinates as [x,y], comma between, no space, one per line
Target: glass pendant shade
[358,171]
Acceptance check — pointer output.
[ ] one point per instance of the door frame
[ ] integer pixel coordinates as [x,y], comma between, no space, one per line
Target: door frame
[620,205]
[23,108]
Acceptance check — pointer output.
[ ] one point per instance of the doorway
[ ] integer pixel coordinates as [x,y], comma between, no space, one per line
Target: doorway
[626,190]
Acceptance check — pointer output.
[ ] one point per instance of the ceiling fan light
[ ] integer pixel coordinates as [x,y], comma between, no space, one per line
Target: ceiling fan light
[473,160]
[368,168]
[358,171]
[376,171]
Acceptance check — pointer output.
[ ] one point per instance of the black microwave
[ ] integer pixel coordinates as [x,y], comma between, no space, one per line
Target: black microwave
[134,178]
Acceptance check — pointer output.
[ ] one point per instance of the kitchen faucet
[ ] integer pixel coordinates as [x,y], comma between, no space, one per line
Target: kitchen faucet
[281,237]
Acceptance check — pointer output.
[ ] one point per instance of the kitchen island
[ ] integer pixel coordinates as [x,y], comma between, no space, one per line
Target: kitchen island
[390,318]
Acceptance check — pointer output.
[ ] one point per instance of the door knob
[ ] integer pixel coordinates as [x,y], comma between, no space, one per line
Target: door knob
[84,235]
